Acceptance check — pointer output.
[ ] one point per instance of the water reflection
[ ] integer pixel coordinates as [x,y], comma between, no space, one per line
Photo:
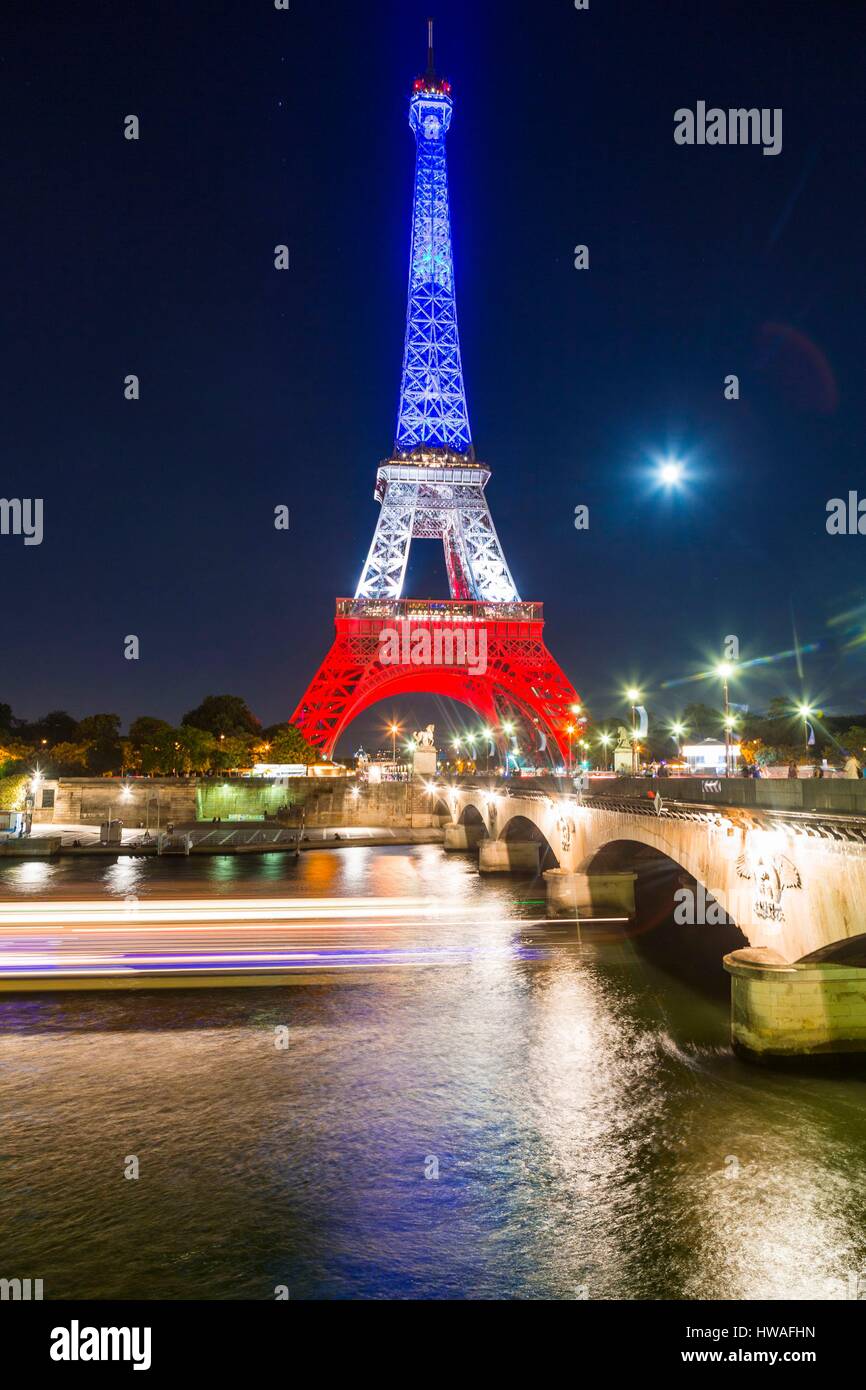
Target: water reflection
[589,1125]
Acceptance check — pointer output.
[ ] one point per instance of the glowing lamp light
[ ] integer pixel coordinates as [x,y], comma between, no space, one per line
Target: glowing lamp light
[633,695]
[724,669]
[805,711]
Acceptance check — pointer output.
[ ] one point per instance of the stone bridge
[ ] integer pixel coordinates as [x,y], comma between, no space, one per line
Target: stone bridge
[785,862]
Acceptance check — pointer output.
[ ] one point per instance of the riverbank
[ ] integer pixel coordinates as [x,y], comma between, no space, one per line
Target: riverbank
[82,841]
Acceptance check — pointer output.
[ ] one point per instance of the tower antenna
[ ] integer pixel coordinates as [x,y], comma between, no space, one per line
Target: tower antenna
[431,71]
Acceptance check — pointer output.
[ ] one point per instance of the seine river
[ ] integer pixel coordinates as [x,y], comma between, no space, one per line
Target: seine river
[525,1115]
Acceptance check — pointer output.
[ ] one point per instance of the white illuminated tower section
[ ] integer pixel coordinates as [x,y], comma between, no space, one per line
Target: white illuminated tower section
[432,486]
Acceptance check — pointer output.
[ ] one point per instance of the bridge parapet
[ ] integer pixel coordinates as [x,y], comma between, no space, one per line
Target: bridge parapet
[797,794]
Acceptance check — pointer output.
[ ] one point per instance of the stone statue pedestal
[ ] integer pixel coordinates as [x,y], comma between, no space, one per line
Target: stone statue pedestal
[425,762]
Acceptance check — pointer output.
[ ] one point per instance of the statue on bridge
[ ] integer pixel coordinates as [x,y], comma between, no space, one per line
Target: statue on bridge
[424,758]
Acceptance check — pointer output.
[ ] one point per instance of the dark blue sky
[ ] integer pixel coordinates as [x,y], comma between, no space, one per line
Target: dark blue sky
[259,388]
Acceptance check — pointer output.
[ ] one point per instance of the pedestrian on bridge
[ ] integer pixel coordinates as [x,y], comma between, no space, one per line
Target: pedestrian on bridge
[852,768]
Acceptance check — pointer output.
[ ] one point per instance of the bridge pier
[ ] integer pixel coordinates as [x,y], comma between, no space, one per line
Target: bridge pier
[781,1010]
[590,895]
[509,857]
[464,837]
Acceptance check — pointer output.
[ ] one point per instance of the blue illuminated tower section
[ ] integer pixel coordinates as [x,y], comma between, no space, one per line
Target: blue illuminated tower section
[433,408]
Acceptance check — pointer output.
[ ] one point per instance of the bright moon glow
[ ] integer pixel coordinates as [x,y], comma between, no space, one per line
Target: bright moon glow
[671,472]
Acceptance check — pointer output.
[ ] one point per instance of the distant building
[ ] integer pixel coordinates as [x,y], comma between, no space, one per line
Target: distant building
[709,756]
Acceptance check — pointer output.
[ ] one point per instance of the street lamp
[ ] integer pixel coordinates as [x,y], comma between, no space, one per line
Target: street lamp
[604,740]
[725,671]
[633,695]
[394,730]
[805,712]
[677,731]
[569,729]
[486,734]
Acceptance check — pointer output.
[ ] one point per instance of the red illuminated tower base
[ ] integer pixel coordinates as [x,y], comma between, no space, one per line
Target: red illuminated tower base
[508,671]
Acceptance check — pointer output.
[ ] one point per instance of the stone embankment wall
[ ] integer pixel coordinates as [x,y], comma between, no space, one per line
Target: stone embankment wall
[322,801]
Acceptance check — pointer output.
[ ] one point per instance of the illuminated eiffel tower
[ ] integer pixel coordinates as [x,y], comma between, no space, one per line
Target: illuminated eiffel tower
[432,487]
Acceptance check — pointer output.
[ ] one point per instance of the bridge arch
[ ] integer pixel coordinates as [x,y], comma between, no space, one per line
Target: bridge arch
[519,827]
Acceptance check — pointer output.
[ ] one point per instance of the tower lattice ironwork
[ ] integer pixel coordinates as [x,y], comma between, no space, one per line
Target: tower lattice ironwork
[433,487]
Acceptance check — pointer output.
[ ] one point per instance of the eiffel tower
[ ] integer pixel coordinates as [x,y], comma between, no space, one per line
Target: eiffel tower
[433,487]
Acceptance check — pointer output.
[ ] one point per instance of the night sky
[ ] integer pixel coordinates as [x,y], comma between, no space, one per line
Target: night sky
[259,388]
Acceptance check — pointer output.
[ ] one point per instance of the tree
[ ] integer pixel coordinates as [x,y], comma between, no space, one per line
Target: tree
[285,744]
[15,755]
[146,729]
[55,727]
[6,719]
[702,721]
[13,790]
[222,714]
[102,733]
[101,728]
[69,759]
[234,751]
[195,749]
[854,740]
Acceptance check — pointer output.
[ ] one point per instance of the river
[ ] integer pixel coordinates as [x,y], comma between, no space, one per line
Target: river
[523,1115]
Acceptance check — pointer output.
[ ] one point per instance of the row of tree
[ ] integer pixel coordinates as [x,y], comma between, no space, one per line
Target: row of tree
[218,735]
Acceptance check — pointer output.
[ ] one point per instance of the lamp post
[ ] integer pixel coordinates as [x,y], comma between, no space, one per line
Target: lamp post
[508,730]
[394,730]
[677,731]
[724,669]
[633,696]
[604,740]
[805,712]
[486,734]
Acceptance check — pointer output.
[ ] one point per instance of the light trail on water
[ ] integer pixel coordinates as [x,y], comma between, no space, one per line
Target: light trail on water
[61,944]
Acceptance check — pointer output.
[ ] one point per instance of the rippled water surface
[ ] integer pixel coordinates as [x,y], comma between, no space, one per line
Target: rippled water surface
[590,1128]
